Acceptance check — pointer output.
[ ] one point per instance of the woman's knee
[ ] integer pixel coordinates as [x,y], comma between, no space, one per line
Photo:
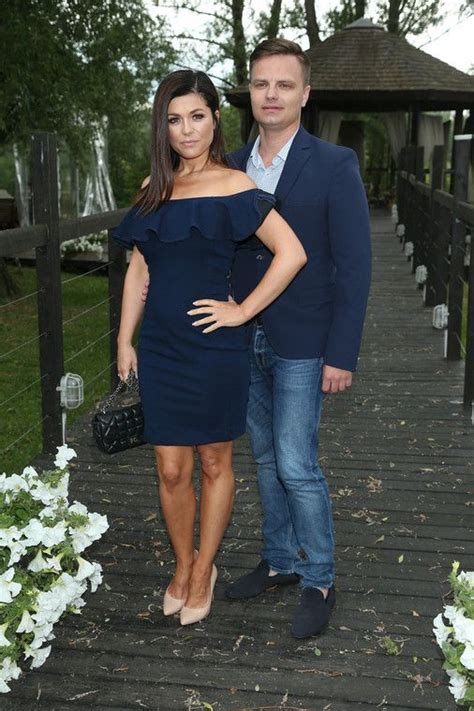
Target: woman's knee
[216,460]
[174,471]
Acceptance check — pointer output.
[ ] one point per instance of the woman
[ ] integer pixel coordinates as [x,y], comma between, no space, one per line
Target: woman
[192,362]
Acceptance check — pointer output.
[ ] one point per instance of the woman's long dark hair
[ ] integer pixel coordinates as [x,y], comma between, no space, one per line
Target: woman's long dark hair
[165,160]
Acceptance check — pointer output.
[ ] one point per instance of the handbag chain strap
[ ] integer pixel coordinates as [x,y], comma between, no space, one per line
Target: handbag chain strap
[131,383]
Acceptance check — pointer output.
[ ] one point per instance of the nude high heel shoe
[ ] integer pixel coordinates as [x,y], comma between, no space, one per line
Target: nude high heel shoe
[172,605]
[190,615]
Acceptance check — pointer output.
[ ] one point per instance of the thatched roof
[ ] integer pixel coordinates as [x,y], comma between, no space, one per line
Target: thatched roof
[365,68]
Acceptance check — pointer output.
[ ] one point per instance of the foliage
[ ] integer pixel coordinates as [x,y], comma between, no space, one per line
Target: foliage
[456,639]
[69,64]
[401,17]
[42,572]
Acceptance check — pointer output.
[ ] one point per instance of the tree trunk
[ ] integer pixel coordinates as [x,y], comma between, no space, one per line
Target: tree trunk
[274,22]
[239,53]
[312,27]
[360,8]
[393,16]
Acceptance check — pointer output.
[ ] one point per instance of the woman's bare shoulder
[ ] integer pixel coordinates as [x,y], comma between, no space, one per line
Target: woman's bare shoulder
[238,181]
[145,182]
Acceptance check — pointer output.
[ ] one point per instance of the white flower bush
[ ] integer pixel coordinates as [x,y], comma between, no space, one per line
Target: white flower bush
[42,572]
[454,632]
[86,243]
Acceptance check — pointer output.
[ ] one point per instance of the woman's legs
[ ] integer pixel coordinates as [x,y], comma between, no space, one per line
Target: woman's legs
[217,497]
[178,502]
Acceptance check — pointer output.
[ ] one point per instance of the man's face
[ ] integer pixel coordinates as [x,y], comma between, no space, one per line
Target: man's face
[277,91]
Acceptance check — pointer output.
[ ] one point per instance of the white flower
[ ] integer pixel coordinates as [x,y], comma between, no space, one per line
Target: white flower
[12,485]
[85,569]
[4,642]
[8,670]
[48,494]
[64,455]
[8,535]
[463,628]
[83,536]
[457,684]
[38,563]
[441,631]
[467,578]
[54,562]
[48,512]
[38,656]
[43,633]
[17,551]
[26,623]
[30,474]
[33,532]
[78,508]
[467,657]
[54,535]
[77,604]
[8,589]
[96,578]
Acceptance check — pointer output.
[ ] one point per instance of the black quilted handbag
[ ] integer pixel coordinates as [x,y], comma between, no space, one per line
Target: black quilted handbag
[116,430]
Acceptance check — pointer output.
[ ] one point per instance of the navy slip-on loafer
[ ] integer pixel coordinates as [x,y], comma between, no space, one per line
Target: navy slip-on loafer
[257,581]
[313,612]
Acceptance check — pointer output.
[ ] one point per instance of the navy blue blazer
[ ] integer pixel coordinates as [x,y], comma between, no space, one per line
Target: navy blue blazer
[321,196]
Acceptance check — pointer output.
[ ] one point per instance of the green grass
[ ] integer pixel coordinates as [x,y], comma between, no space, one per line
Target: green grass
[18,323]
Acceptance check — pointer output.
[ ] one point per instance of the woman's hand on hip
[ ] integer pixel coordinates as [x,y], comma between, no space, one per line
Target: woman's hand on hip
[217,314]
[126,360]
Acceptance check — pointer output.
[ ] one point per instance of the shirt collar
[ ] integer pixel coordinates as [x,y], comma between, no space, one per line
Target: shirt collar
[280,157]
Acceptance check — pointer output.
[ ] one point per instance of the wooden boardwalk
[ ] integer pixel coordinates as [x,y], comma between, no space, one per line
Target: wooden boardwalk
[398,454]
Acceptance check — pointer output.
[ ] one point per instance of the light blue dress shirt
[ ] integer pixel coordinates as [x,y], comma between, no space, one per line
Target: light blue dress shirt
[267,178]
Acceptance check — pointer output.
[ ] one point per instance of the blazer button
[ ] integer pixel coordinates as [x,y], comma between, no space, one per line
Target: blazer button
[259,256]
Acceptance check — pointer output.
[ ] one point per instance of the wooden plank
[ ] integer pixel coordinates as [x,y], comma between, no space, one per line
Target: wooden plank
[401,425]
[20,239]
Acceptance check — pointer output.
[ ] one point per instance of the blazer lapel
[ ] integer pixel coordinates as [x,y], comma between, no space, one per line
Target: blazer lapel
[297,157]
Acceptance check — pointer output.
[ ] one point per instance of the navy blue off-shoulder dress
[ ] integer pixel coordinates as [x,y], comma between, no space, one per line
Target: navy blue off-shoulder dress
[193,385]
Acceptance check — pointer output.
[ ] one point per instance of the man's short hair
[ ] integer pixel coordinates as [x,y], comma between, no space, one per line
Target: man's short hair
[281,46]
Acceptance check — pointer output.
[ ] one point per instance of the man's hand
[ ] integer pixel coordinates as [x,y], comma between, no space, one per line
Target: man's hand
[145,290]
[335,380]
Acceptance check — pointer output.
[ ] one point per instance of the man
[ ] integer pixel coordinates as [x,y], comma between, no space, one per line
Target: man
[306,342]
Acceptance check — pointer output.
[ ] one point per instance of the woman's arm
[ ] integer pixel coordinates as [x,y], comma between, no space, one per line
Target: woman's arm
[289,257]
[132,309]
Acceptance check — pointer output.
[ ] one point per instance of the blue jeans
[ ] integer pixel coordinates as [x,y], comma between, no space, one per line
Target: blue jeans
[283,422]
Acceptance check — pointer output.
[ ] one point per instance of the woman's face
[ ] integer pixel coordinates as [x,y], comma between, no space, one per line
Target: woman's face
[191,125]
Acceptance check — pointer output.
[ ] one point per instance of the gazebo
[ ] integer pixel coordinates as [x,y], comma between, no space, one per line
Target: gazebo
[363,68]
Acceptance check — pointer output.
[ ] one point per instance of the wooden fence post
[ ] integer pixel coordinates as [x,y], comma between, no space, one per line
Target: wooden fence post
[117,269]
[48,271]
[458,239]
[417,236]
[437,169]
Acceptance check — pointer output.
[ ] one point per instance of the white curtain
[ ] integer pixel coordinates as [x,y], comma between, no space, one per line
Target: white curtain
[329,123]
[430,134]
[396,126]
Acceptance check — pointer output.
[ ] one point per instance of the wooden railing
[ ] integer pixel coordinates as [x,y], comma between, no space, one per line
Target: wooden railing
[45,238]
[436,227]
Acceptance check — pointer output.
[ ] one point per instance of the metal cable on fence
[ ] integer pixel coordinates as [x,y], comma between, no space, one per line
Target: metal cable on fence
[22,345]
[21,298]
[19,392]
[89,345]
[92,380]
[22,436]
[81,276]
[86,311]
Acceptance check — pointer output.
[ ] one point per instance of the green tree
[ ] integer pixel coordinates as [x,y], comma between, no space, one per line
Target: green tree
[401,17]
[66,65]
